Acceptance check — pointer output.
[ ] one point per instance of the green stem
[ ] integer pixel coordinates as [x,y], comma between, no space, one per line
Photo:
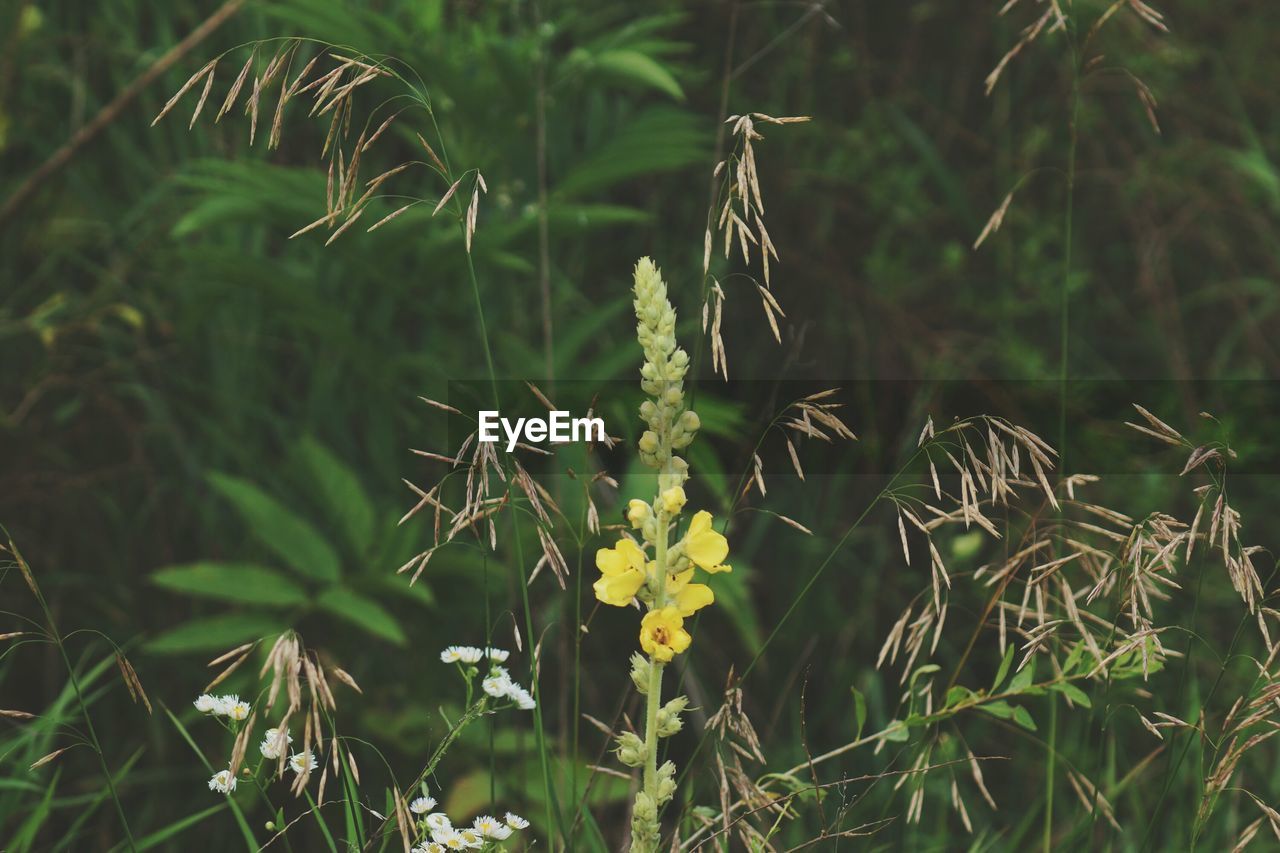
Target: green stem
[651,729]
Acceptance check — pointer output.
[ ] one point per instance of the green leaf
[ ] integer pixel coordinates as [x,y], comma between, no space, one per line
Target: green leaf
[1005,663]
[216,632]
[231,582]
[1023,678]
[1000,709]
[897,731]
[927,669]
[956,695]
[292,539]
[362,612]
[1022,717]
[1075,694]
[639,68]
[859,710]
[344,498]
[1073,659]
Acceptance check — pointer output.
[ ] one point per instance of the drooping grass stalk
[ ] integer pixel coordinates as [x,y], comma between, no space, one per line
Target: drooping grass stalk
[56,636]
[1064,338]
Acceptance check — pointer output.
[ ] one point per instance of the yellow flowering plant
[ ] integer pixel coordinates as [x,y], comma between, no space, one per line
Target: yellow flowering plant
[655,571]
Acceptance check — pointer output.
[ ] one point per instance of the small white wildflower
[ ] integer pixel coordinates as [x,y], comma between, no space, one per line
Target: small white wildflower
[272,747]
[222,782]
[461,654]
[438,820]
[207,703]
[470,838]
[428,847]
[523,698]
[496,686]
[447,837]
[491,827]
[232,706]
[497,655]
[515,821]
[422,805]
[302,761]
[499,670]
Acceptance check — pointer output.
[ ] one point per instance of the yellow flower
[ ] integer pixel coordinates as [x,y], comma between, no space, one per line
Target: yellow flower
[687,597]
[673,500]
[706,547]
[622,573]
[638,513]
[662,634]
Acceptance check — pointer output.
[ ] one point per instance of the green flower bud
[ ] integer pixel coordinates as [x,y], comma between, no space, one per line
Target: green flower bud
[666,782]
[631,750]
[640,672]
[669,721]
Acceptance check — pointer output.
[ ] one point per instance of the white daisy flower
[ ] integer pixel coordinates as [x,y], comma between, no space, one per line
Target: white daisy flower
[497,655]
[232,706]
[496,686]
[491,827]
[499,670]
[272,747]
[207,703]
[429,847]
[462,654]
[470,838]
[222,782]
[515,821]
[438,820]
[422,805]
[447,837]
[303,761]
[523,698]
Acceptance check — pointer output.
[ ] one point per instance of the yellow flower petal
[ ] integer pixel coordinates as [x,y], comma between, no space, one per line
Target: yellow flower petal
[675,583]
[706,547]
[693,598]
[621,557]
[662,634]
[713,570]
[638,513]
[618,590]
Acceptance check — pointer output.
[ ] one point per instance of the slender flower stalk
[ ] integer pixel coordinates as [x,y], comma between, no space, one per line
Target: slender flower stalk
[664,583]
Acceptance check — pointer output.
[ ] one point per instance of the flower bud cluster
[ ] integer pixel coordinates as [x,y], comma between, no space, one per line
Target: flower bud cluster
[640,668]
[671,426]
[669,721]
[631,749]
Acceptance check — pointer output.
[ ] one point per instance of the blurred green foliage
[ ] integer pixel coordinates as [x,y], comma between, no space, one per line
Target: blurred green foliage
[204,425]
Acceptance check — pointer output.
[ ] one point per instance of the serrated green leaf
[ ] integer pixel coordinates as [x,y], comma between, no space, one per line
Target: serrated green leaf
[291,538]
[361,612]
[216,633]
[236,582]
